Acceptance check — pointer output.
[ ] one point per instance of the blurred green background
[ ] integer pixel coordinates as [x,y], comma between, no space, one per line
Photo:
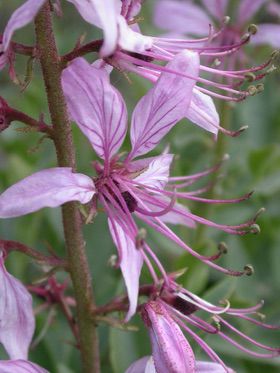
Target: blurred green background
[254,165]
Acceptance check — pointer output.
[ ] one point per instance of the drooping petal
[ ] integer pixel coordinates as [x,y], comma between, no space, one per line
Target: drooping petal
[103,14]
[20,18]
[268,33]
[144,365]
[171,351]
[131,40]
[202,111]
[217,8]
[247,9]
[20,366]
[17,321]
[131,263]
[181,17]
[209,367]
[165,104]
[48,188]
[96,106]
[157,173]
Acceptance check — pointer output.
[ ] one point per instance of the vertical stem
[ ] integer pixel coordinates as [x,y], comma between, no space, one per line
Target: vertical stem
[75,245]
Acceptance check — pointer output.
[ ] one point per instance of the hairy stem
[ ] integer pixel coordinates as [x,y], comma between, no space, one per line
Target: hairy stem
[77,260]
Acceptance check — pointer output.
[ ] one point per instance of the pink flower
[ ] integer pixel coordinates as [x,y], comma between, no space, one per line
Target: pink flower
[20,366]
[16,315]
[20,18]
[122,185]
[185,17]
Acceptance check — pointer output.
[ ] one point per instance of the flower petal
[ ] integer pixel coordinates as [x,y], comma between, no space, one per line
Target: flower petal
[202,111]
[165,104]
[48,188]
[16,314]
[131,263]
[20,18]
[131,40]
[20,366]
[217,8]
[144,365]
[181,17]
[268,33]
[157,173]
[96,106]
[247,10]
[171,351]
[103,14]
[209,367]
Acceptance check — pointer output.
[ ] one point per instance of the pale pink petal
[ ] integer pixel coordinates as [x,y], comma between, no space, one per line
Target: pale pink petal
[144,365]
[103,14]
[165,104]
[268,33]
[273,8]
[96,106]
[247,9]
[171,351]
[131,264]
[181,17]
[17,321]
[20,18]
[202,111]
[217,8]
[131,40]
[209,367]
[20,366]
[130,8]
[157,173]
[47,188]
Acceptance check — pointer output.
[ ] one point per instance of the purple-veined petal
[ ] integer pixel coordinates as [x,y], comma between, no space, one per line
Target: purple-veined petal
[217,8]
[20,366]
[131,40]
[96,106]
[47,188]
[202,111]
[103,14]
[247,10]
[143,365]
[20,18]
[171,351]
[209,367]
[131,264]
[130,8]
[181,17]
[17,321]
[268,33]
[157,173]
[165,104]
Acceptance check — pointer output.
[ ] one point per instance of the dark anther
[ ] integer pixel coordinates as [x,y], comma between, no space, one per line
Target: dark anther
[130,201]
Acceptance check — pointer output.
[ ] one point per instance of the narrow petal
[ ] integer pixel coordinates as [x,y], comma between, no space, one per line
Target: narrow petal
[247,9]
[16,315]
[165,104]
[103,14]
[144,365]
[217,8]
[96,106]
[171,351]
[48,188]
[181,17]
[202,111]
[130,8]
[20,366]
[209,367]
[20,18]
[131,40]
[268,33]
[157,173]
[131,264]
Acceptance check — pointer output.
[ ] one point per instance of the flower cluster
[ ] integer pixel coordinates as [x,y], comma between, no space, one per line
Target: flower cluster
[138,193]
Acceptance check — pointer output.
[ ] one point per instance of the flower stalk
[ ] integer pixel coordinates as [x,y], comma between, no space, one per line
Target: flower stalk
[75,245]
